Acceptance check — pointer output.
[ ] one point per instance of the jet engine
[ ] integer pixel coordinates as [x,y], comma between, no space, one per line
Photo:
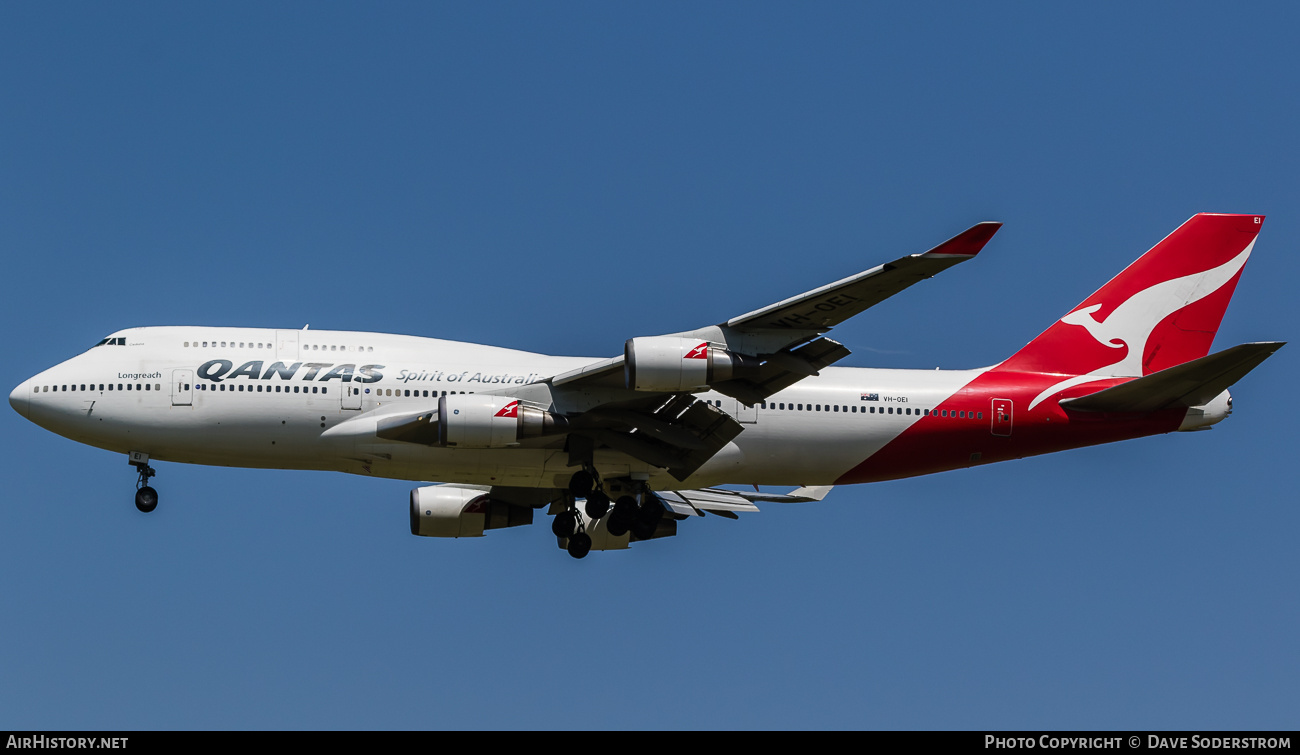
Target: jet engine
[454,511]
[671,364]
[467,420]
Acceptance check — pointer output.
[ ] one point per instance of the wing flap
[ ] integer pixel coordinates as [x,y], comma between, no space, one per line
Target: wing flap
[695,502]
[728,502]
[784,369]
[679,434]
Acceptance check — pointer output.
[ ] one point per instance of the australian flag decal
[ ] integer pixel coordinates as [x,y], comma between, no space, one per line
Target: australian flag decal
[871,397]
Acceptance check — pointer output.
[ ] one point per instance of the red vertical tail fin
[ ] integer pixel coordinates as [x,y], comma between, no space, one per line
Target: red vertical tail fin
[1162,310]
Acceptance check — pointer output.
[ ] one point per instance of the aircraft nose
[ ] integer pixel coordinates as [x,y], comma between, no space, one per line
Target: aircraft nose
[18,399]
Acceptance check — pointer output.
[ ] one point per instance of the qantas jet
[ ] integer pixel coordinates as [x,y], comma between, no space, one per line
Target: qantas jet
[622,449]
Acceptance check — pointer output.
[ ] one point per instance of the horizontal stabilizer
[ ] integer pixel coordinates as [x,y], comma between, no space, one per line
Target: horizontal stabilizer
[1193,383]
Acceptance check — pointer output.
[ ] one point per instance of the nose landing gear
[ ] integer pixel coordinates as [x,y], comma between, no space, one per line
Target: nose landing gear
[146,498]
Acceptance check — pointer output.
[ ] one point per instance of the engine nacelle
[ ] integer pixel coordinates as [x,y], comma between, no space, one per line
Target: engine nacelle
[671,364]
[453,511]
[467,420]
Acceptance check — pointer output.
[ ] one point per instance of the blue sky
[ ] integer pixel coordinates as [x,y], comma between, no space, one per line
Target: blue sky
[560,177]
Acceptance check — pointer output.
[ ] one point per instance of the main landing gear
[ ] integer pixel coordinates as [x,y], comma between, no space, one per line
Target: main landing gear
[146,498]
[568,524]
[625,515]
[641,521]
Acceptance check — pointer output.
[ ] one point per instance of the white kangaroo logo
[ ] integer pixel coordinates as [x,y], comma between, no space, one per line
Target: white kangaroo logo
[1131,323]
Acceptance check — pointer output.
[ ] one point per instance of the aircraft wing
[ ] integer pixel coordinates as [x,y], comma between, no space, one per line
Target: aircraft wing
[785,338]
[642,402]
[828,306]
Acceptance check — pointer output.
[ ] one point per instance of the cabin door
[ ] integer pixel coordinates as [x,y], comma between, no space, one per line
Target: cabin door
[1002,409]
[182,387]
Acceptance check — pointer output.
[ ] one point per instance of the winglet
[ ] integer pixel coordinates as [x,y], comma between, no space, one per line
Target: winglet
[968,243]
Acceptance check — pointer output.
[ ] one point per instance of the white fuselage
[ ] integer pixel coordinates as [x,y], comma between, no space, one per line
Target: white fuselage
[291,399]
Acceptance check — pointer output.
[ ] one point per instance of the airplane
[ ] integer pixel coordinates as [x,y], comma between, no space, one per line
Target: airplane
[622,449]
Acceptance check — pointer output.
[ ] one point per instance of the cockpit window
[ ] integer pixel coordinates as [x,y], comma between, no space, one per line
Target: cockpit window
[119,341]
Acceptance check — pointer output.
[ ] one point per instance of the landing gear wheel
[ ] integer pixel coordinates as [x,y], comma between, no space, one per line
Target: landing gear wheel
[647,521]
[579,544]
[597,504]
[565,523]
[146,499]
[581,483]
[622,517]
